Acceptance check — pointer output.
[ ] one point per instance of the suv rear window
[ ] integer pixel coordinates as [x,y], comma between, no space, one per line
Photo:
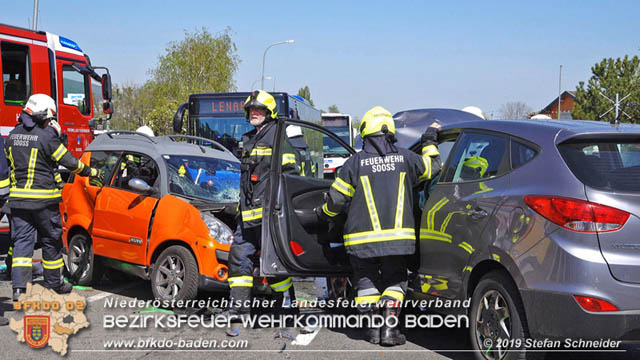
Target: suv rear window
[605,164]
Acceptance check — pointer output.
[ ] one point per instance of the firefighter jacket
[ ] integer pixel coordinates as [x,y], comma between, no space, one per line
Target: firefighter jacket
[305,163]
[33,155]
[257,148]
[377,193]
[4,176]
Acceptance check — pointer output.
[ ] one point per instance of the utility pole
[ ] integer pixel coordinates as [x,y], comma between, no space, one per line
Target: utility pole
[559,91]
[35,15]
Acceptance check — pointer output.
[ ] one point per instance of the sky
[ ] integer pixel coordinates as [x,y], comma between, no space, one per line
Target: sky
[401,55]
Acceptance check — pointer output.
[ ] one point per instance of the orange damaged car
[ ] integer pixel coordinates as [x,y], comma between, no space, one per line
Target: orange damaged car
[163,212]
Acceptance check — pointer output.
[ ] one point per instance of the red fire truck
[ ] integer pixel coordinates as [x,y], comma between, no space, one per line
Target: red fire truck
[38,62]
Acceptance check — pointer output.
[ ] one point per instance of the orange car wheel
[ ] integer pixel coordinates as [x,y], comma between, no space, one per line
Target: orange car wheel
[175,275]
[84,267]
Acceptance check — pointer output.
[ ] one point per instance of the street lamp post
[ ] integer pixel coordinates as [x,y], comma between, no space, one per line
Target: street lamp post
[265,55]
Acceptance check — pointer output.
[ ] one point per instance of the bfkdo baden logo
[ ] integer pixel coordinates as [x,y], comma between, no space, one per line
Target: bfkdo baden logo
[36,330]
[49,318]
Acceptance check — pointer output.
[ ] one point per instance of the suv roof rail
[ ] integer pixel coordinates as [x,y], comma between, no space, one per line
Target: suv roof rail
[217,144]
[129,132]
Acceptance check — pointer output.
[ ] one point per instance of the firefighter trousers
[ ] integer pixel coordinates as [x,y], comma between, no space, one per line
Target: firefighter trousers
[379,279]
[246,243]
[24,225]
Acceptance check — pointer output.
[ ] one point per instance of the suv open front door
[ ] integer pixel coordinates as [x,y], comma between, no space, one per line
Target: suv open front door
[293,243]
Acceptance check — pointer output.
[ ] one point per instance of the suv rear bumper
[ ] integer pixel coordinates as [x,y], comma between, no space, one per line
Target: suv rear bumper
[557,315]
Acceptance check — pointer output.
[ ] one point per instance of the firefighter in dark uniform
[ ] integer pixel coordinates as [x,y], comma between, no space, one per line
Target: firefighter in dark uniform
[375,188]
[260,111]
[33,153]
[305,163]
[4,193]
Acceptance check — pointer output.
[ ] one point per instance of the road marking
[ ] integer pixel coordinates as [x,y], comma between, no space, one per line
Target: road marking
[306,339]
[104,294]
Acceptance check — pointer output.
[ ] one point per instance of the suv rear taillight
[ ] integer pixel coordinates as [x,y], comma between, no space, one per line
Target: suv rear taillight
[594,304]
[578,215]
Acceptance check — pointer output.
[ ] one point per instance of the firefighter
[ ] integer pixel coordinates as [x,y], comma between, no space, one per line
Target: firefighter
[260,111]
[376,190]
[4,192]
[33,153]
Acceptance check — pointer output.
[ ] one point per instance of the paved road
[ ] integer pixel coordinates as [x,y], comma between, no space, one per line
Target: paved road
[263,343]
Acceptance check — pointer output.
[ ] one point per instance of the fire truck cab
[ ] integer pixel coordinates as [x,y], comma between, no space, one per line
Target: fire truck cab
[38,62]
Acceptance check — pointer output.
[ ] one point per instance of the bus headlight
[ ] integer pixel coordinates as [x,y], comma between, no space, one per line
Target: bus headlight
[218,230]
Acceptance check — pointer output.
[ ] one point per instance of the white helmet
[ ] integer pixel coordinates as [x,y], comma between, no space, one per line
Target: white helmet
[293,131]
[475,111]
[41,107]
[144,129]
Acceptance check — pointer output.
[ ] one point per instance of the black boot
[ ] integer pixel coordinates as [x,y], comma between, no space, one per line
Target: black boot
[63,288]
[17,292]
[372,333]
[238,298]
[391,336]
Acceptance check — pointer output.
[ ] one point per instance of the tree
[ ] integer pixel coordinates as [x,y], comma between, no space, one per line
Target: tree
[609,77]
[333,109]
[515,110]
[201,62]
[306,94]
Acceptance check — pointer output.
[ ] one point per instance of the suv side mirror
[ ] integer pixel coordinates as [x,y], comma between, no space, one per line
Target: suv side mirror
[107,93]
[139,185]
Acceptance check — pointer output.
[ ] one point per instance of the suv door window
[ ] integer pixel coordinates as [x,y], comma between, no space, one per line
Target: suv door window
[478,156]
[16,73]
[521,154]
[303,149]
[138,166]
[105,161]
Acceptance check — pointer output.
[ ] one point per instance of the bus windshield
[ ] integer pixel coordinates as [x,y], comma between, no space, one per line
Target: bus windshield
[331,146]
[216,128]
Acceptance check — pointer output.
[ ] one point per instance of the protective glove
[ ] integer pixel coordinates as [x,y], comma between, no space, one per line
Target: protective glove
[97,176]
[322,218]
[431,134]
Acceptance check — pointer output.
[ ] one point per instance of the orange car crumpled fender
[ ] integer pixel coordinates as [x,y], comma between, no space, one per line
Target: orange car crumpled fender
[176,219]
[80,206]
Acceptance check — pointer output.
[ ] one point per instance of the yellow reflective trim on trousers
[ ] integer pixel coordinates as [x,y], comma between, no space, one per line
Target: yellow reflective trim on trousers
[326,210]
[253,214]
[430,150]
[394,294]
[53,264]
[31,168]
[343,187]
[79,168]
[367,237]
[427,169]
[371,204]
[468,248]
[400,201]
[240,281]
[445,223]
[4,183]
[59,153]
[21,261]
[427,234]
[282,286]
[13,168]
[34,193]
[371,299]
[431,214]
[261,151]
